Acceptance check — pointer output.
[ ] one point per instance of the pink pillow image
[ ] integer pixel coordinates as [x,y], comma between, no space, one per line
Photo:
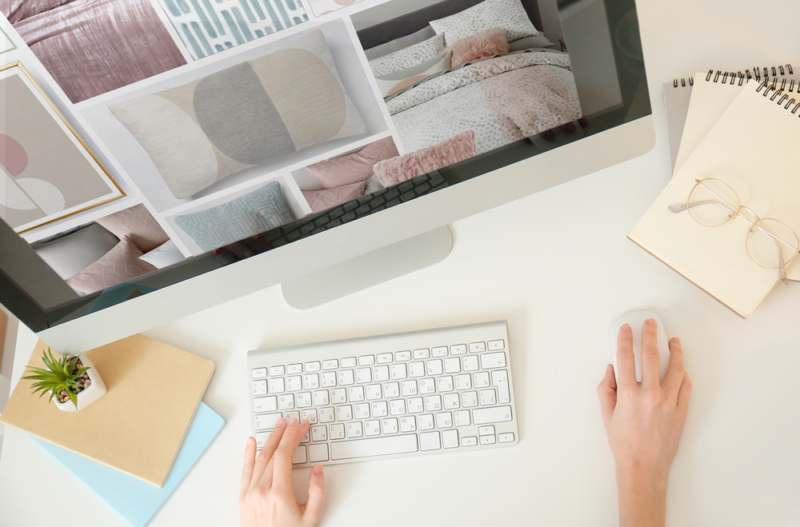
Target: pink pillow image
[485,44]
[320,200]
[119,265]
[450,151]
[354,167]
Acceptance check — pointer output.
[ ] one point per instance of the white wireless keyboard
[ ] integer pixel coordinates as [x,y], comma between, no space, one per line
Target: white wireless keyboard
[426,392]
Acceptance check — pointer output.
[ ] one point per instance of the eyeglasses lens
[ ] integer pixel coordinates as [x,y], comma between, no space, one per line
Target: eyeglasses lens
[714,203]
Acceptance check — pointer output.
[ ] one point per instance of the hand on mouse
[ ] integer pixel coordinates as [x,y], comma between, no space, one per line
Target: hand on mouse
[267,498]
[644,423]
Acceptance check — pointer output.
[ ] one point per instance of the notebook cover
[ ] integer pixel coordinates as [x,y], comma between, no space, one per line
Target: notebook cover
[139,425]
[761,167]
[135,500]
[676,103]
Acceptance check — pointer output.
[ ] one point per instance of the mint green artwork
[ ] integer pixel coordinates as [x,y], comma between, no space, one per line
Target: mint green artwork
[6,44]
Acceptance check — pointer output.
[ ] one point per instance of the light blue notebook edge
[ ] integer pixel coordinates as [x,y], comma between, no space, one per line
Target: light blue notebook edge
[205,428]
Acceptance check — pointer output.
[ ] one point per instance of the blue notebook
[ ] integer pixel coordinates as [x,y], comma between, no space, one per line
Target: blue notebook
[134,499]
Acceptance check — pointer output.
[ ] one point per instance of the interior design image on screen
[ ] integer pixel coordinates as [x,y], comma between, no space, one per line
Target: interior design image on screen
[228,129]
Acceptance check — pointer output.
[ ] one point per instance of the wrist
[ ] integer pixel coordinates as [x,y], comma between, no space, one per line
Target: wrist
[642,493]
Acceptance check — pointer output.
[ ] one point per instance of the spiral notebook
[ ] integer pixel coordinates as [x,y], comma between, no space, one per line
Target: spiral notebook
[761,167]
[693,105]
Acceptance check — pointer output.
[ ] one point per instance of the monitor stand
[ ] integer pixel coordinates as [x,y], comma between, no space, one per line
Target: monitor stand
[367,270]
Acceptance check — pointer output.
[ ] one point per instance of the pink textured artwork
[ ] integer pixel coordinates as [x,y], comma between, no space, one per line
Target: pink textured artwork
[46,173]
[322,7]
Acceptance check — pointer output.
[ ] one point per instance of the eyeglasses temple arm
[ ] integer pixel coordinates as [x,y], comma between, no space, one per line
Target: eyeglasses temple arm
[686,206]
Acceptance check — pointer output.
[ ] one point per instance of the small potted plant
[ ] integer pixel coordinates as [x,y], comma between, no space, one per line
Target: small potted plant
[72,380]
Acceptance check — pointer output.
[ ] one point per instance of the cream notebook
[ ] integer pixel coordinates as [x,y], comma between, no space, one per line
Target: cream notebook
[761,167]
[711,95]
[139,425]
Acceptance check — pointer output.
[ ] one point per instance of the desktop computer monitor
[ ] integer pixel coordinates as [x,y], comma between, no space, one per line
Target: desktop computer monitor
[319,146]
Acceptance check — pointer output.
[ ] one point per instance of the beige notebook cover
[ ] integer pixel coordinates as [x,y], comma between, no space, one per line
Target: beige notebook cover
[712,93]
[139,425]
[762,168]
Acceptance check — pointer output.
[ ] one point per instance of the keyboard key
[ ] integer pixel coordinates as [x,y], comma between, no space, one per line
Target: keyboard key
[317,453]
[261,439]
[294,368]
[389,425]
[493,360]
[409,388]
[346,377]
[380,373]
[309,415]
[356,394]
[276,370]
[434,367]
[294,384]
[397,407]
[328,379]
[373,392]
[488,440]
[480,379]
[313,366]
[366,360]
[311,381]
[354,430]
[444,420]
[259,373]
[469,441]
[402,356]
[321,398]
[336,431]
[378,446]
[330,364]
[500,381]
[326,415]
[440,351]
[450,438]
[422,353]
[286,402]
[462,418]
[497,345]
[319,433]
[414,405]
[380,409]
[458,349]
[488,397]
[338,396]
[391,390]
[291,415]
[384,358]
[363,375]
[399,371]
[452,365]
[372,428]
[463,382]
[266,421]
[427,386]
[497,414]
[429,441]
[361,411]
[444,384]
[265,404]
[433,403]
[469,399]
[486,430]
[408,424]
[470,363]
[506,438]
[299,456]
[477,347]
[259,387]
[344,412]
[349,362]
[306,438]
[303,399]
[425,422]
[416,369]
[451,401]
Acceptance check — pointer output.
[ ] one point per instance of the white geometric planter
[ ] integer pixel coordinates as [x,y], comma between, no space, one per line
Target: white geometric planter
[95,391]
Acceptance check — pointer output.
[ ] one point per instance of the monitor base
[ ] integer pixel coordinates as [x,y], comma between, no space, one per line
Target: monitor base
[367,270]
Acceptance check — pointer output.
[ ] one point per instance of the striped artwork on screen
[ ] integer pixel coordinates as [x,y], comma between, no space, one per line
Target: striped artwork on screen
[210,26]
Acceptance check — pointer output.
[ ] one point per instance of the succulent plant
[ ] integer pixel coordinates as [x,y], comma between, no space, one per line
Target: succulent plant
[61,374]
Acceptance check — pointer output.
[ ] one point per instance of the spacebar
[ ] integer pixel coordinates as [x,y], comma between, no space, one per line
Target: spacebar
[379,446]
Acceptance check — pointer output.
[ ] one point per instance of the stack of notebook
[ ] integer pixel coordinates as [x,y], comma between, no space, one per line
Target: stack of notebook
[136,443]
[743,129]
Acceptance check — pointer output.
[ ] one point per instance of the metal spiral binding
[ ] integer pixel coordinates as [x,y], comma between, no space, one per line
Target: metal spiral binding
[780,95]
[746,76]
[683,82]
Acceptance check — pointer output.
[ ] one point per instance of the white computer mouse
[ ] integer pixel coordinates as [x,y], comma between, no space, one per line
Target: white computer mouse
[636,320]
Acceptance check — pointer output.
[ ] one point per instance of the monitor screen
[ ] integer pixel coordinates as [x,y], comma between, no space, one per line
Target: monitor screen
[207,133]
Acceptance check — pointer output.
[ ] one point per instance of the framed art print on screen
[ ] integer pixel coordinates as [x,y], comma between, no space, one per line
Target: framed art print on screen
[47,172]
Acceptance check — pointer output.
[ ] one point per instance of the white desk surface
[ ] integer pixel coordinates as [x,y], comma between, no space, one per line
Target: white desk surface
[559,268]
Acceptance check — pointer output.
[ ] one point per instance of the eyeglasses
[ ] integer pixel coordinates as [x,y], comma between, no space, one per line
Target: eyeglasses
[770,243]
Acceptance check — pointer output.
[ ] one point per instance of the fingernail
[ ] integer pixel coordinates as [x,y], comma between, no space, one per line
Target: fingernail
[650,322]
[281,422]
[318,471]
[626,327]
[291,421]
[676,340]
[249,442]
